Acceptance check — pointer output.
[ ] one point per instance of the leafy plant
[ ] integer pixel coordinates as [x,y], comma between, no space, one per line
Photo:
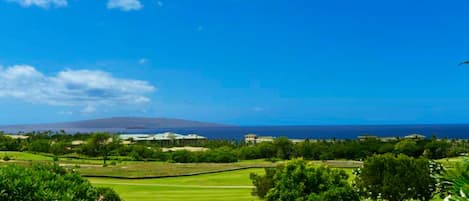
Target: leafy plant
[396,178]
[300,181]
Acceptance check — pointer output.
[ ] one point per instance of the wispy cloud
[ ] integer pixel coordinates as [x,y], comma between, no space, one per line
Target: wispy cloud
[124,5]
[83,88]
[160,3]
[41,3]
[89,110]
[258,109]
[142,61]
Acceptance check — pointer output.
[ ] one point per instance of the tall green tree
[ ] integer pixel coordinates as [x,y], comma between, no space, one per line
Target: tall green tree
[396,178]
[101,144]
[285,147]
[299,180]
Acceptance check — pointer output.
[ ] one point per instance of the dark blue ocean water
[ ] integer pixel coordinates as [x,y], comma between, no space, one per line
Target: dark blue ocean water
[460,131]
[322,132]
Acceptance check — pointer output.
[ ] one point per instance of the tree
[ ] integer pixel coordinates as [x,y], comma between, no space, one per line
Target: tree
[263,183]
[395,178]
[285,147]
[301,181]
[59,148]
[407,147]
[455,182]
[101,144]
[436,149]
[48,183]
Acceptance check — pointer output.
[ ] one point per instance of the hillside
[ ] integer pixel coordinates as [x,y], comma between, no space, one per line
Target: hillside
[116,123]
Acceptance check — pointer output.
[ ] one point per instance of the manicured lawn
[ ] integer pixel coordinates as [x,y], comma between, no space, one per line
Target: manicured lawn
[24,156]
[153,193]
[231,178]
[226,186]
[149,169]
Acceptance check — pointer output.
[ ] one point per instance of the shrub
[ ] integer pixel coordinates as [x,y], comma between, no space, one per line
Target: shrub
[45,183]
[263,183]
[395,178]
[107,194]
[301,181]
[6,158]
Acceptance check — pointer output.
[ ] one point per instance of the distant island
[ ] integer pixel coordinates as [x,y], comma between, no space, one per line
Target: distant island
[115,123]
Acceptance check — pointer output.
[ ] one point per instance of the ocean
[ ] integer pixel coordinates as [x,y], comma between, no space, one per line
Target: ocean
[321,132]
[459,131]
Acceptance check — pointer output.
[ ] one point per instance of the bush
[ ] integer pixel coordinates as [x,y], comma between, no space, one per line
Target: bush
[396,178]
[6,158]
[107,194]
[45,183]
[301,181]
[263,183]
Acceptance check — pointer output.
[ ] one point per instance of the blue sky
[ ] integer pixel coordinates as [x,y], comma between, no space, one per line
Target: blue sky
[242,62]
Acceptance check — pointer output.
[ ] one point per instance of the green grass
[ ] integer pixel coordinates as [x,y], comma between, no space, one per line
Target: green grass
[149,193]
[230,178]
[226,186]
[24,156]
[157,169]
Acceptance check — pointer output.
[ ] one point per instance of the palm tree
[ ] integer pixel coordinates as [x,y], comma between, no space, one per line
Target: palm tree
[458,179]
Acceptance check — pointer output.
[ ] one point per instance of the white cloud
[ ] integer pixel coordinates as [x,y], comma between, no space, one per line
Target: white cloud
[71,87]
[65,112]
[258,109]
[160,3]
[41,3]
[124,5]
[89,110]
[142,61]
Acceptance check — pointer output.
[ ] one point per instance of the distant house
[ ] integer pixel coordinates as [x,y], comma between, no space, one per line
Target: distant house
[77,142]
[255,139]
[167,138]
[373,137]
[415,137]
[367,137]
[21,137]
[388,139]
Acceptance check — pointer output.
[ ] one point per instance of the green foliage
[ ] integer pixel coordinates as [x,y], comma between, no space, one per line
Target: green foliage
[101,144]
[218,155]
[263,183]
[284,147]
[6,158]
[45,183]
[107,194]
[60,148]
[407,147]
[183,156]
[436,149]
[41,145]
[141,152]
[301,181]
[395,178]
[458,180]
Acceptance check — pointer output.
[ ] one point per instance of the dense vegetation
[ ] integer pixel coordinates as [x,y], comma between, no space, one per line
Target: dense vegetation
[301,181]
[397,178]
[107,146]
[48,183]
